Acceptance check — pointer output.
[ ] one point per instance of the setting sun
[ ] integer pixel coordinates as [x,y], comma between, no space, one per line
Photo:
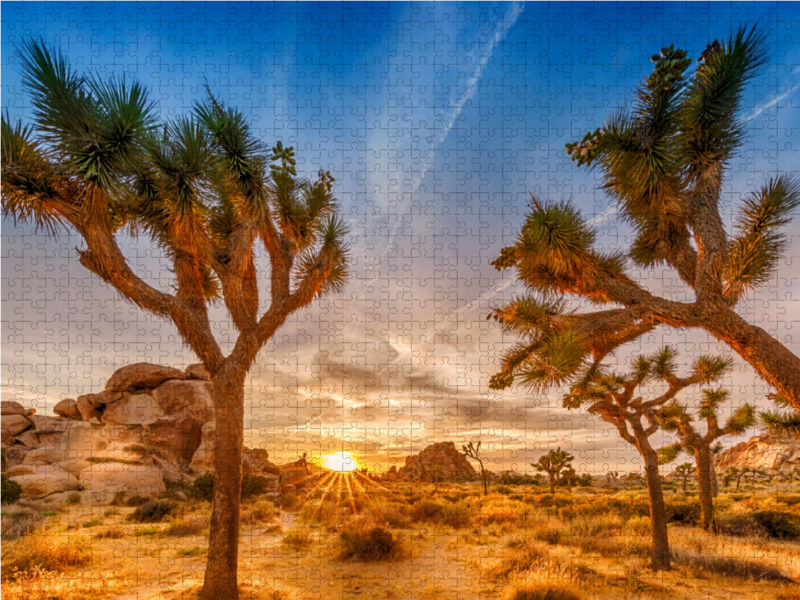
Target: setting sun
[340,461]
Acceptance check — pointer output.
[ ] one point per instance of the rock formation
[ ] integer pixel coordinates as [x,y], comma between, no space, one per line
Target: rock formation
[151,423]
[440,460]
[768,452]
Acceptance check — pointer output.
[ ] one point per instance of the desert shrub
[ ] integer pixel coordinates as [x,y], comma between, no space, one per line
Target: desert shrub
[137,501]
[557,500]
[779,524]
[790,499]
[428,510]
[114,533]
[45,552]
[594,526]
[371,544]
[549,535]
[74,498]
[503,489]
[191,526]
[541,591]
[264,510]
[193,551]
[683,510]
[639,525]
[153,511]
[153,530]
[394,515]
[730,566]
[10,491]
[296,539]
[457,516]
[518,556]
[92,523]
[202,488]
[19,523]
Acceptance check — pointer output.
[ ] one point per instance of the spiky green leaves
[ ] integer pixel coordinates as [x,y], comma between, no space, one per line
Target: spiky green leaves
[742,418]
[94,125]
[757,247]
[710,126]
[710,369]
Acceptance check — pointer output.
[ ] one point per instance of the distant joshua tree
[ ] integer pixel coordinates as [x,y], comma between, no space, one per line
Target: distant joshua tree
[685,471]
[304,462]
[207,193]
[612,476]
[552,463]
[568,476]
[737,475]
[474,452]
[675,417]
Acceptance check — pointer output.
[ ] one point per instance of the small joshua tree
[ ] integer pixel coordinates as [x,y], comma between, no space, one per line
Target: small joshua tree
[684,471]
[474,452]
[614,397]
[568,477]
[303,462]
[552,463]
[612,477]
[207,193]
[675,417]
[738,474]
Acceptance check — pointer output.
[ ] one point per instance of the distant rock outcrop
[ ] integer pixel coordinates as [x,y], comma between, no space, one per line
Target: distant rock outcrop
[151,423]
[767,452]
[440,460]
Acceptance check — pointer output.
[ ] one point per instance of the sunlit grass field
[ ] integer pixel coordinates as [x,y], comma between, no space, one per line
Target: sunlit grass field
[347,535]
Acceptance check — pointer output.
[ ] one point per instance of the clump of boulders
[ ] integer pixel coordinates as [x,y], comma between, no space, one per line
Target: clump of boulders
[151,423]
[438,461]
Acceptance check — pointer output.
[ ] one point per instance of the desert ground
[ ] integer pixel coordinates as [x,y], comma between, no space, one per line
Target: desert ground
[350,535]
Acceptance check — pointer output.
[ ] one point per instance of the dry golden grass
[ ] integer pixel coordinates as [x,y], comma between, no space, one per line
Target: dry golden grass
[454,544]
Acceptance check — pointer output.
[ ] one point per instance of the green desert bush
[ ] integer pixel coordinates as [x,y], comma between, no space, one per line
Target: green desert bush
[370,544]
[10,491]
[202,488]
[779,524]
[193,551]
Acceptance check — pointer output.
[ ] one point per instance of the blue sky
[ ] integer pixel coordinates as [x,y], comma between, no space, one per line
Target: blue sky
[437,122]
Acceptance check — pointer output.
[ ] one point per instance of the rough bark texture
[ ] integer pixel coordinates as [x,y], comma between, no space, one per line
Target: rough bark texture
[703,462]
[661,555]
[552,482]
[223,556]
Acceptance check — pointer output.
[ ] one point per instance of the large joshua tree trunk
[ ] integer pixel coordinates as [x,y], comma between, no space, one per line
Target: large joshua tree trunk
[704,474]
[552,483]
[658,512]
[223,555]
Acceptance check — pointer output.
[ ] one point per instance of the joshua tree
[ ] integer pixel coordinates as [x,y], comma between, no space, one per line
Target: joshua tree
[675,417]
[738,474]
[568,477]
[664,164]
[684,471]
[303,462]
[612,476]
[474,452]
[552,463]
[614,397]
[96,160]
